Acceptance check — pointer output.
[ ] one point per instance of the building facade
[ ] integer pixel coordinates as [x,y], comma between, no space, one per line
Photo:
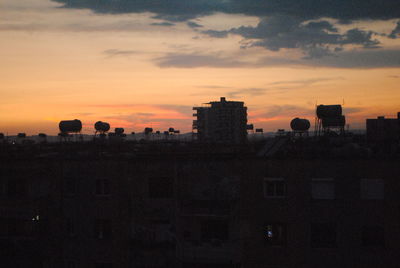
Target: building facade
[221,122]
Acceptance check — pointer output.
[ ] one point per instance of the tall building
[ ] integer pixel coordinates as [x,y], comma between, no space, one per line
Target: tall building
[221,122]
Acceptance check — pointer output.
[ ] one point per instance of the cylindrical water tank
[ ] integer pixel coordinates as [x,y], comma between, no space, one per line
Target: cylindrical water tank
[324,111]
[298,124]
[102,126]
[339,121]
[67,126]
[171,129]
[119,130]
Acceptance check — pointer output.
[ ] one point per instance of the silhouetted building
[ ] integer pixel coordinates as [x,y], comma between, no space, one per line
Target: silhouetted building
[383,129]
[221,122]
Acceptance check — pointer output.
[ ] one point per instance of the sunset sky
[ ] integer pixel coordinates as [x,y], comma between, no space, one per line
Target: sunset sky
[146,63]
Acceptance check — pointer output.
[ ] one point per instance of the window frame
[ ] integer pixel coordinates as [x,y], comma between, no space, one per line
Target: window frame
[267,180]
[322,180]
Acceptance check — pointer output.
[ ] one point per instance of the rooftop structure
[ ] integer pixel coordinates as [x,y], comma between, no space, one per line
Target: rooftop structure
[383,129]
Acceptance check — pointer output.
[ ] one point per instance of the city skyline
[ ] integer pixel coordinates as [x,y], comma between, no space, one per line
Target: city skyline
[138,65]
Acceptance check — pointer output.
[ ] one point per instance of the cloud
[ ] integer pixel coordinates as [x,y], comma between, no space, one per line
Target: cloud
[178,10]
[353,59]
[396,31]
[286,110]
[118,52]
[246,91]
[165,23]
[193,24]
[315,39]
[192,60]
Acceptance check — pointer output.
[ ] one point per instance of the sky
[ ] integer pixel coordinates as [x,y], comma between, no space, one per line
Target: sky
[146,63]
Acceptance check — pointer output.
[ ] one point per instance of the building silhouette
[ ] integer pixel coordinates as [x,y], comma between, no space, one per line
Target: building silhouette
[221,122]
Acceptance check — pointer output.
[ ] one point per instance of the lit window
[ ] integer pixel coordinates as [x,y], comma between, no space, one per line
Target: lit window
[323,189]
[275,234]
[372,189]
[274,188]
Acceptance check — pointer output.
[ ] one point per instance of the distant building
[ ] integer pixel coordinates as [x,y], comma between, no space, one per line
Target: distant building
[221,121]
[383,129]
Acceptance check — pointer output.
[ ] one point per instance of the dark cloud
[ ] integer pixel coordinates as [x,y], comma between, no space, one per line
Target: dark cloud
[178,10]
[164,23]
[359,59]
[396,31]
[193,24]
[216,34]
[316,39]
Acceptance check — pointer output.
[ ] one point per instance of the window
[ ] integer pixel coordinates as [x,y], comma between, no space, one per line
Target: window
[69,264]
[102,187]
[214,229]
[372,189]
[16,187]
[274,188]
[103,265]
[103,229]
[373,236]
[323,235]
[275,234]
[161,187]
[323,189]
[70,226]
[70,185]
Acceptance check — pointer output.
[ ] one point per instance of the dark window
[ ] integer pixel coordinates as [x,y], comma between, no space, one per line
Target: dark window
[161,187]
[372,189]
[274,187]
[16,188]
[69,264]
[275,234]
[19,227]
[214,230]
[373,236]
[323,235]
[70,185]
[103,265]
[102,187]
[103,229]
[323,189]
[70,226]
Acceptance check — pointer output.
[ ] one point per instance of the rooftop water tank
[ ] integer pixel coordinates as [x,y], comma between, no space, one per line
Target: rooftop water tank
[70,126]
[339,121]
[298,124]
[119,130]
[324,111]
[102,126]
